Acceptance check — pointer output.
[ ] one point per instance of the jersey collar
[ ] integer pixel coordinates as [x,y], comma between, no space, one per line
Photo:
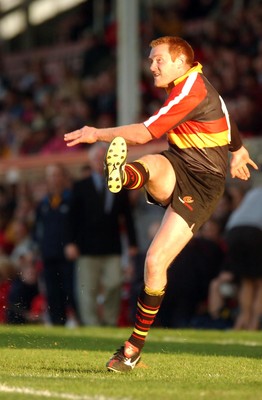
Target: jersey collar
[197,67]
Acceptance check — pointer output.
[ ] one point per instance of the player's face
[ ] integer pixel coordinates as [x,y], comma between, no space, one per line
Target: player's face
[164,70]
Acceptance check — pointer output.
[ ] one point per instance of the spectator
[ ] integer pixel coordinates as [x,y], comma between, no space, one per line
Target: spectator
[23,291]
[22,240]
[98,222]
[51,234]
[222,300]
[244,240]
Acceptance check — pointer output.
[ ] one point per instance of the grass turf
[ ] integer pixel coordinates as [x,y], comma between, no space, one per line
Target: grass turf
[58,363]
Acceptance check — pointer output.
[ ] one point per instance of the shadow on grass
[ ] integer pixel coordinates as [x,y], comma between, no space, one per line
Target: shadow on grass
[33,339]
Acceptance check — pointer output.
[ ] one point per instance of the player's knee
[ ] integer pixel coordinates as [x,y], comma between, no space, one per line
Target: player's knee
[154,264]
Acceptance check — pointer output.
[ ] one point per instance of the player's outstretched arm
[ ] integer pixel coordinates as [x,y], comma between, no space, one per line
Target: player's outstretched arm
[239,164]
[133,134]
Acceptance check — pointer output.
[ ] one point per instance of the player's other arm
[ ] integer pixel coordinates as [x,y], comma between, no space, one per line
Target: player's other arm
[240,156]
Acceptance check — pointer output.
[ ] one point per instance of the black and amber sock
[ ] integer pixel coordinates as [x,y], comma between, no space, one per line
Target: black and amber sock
[148,305]
[136,175]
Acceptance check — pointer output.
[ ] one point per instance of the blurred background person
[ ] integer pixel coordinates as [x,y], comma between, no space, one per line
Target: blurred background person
[51,233]
[24,292]
[244,240]
[22,240]
[99,221]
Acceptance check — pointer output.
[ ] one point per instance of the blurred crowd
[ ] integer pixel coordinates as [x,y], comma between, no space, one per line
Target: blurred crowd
[44,97]
[41,97]
[62,233]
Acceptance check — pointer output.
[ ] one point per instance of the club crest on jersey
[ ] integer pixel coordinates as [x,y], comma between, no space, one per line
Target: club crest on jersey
[187,201]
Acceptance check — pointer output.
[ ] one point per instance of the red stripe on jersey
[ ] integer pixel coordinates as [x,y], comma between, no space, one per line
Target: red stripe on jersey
[188,127]
[183,98]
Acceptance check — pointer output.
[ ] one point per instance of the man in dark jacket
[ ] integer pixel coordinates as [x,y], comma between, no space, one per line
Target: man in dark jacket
[51,235]
[99,222]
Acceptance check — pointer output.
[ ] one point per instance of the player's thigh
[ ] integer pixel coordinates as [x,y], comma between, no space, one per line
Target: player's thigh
[162,176]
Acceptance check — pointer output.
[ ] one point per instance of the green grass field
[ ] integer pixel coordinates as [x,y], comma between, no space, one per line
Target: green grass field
[58,363]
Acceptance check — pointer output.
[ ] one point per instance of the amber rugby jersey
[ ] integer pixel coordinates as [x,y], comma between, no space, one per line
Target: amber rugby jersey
[196,122]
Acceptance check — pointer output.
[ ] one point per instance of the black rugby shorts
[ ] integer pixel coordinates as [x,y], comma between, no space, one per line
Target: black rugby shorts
[195,195]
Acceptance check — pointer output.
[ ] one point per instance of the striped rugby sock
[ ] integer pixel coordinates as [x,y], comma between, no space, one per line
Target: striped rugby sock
[148,305]
[136,175]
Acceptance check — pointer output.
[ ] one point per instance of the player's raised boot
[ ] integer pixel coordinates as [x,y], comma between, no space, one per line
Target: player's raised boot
[115,160]
[124,359]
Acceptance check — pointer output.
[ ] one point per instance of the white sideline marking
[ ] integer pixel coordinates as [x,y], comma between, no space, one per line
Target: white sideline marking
[47,393]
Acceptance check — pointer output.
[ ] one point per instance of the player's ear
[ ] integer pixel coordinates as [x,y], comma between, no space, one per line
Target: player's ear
[181,61]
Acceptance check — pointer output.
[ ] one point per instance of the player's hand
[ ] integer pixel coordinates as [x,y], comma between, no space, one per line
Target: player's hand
[239,164]
[87,134]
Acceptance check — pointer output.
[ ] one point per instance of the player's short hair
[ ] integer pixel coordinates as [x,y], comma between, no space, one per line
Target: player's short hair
[177,46]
